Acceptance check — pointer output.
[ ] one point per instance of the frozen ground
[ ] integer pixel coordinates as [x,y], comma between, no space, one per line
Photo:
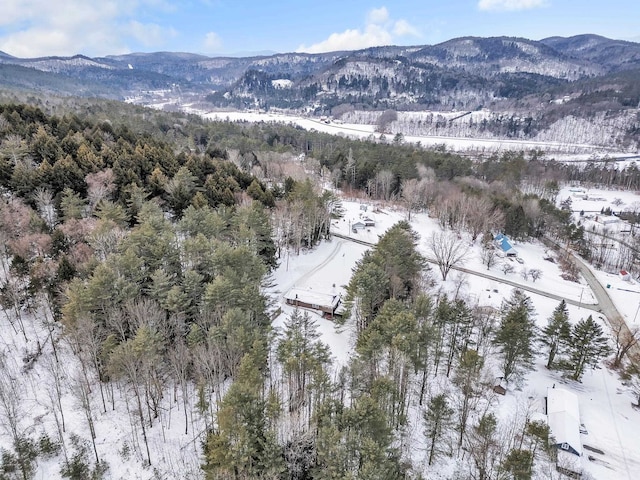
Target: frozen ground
[366,131]
[605,404]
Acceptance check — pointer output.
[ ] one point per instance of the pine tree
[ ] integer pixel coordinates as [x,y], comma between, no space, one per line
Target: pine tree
[516,334]
[484,447]
[244,444]
[303,357]
[517,464]
[437,418]
[468,380]
[557,333]
[588,346]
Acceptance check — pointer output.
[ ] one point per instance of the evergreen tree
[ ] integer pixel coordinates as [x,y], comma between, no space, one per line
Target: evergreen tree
[437,419]
[244,444]
[517,464]
[557,333]
[484,447]
[304,359]
[468,380]
[516,334]
[588,346]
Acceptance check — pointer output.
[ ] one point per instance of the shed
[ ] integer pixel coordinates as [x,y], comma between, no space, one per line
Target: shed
[563,413]
[358,226]
[327,303]
[500,386]
[624,275]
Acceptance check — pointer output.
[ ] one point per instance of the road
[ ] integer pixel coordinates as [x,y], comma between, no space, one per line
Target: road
[595,308]
[605,305]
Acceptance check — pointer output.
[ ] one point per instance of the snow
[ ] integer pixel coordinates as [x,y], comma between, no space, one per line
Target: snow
[563,412]
[605,404]
[282,83]
[365,131]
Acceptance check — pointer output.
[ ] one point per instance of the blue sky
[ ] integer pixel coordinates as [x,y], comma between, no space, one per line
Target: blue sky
[31,28]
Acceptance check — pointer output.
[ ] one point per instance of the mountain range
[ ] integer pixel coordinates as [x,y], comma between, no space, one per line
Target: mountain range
[584,87]
[466,73]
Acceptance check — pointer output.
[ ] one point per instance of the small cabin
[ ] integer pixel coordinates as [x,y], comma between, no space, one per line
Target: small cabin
[368,222]
[326,303]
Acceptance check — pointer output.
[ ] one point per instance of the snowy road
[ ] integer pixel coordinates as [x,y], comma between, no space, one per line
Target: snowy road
[595,308]
[606,305]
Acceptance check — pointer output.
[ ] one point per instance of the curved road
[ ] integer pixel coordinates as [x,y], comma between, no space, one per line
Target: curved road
[607,307]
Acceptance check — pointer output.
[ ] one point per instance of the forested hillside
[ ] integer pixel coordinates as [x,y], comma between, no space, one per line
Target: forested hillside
[136,253]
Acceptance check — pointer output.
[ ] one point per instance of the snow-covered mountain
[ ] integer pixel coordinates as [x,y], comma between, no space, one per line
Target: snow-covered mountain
[462,73]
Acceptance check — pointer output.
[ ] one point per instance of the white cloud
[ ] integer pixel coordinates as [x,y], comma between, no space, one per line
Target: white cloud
[402,28]
[212,42]
[379,29]
[378,15]
[510,5]
[32,28]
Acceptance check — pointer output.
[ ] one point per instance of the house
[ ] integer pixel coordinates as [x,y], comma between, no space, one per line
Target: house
[607,219]
[327,303]
[357,226]
[363,207]
[503,243]
[563,413]
[369,222]
[563,417]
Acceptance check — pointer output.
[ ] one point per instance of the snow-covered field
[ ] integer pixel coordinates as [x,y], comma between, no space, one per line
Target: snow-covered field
[605,404]
[367,130]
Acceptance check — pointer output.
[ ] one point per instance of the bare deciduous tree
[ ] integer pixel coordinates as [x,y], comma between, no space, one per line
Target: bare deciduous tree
[413,194]
[625,339]
[448,251]
[507,268]
[535,274]
[489,256]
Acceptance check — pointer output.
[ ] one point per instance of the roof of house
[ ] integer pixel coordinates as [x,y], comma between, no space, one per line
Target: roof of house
[313,297]
[506,246]
[563,413]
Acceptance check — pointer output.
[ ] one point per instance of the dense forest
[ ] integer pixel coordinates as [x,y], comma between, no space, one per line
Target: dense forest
[139,244]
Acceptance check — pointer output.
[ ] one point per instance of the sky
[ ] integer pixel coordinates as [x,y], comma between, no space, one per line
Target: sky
[33,28]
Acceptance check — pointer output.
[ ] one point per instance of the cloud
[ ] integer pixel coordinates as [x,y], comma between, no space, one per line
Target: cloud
[379,29]
[212,42]
[402,28]
[510,5]
[378,16]
[32,28]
